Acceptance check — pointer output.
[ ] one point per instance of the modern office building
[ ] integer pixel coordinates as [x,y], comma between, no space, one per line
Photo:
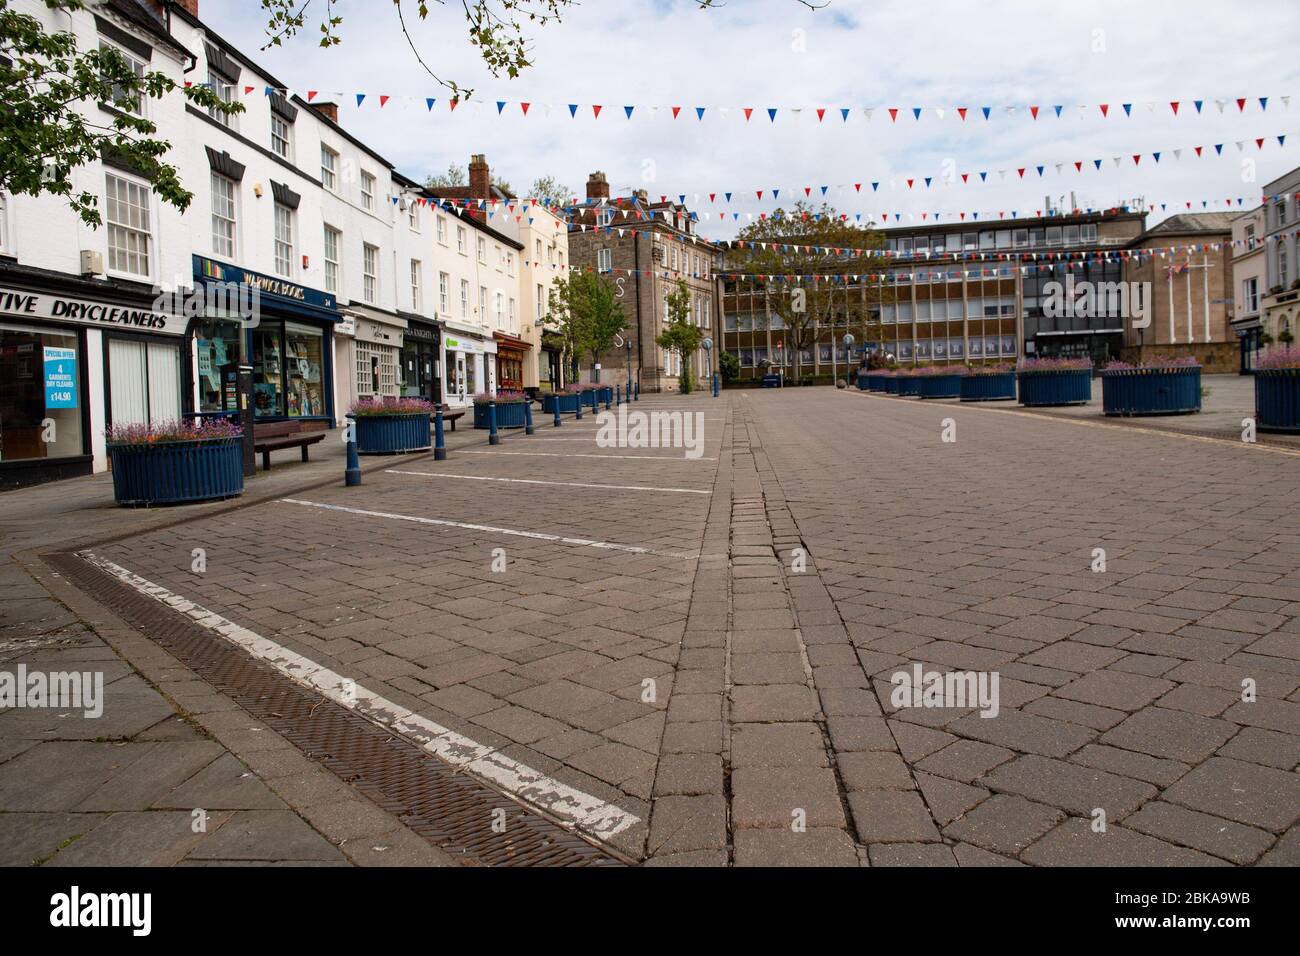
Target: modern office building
[952,293]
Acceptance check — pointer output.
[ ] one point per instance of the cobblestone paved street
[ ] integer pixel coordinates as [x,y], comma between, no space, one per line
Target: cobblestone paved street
[701,648]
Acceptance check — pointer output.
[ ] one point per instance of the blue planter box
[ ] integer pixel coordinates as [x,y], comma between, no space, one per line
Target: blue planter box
[1151,391]
[568,403]
[863,379]
[939,386]
[988,388]
[606,393]
[171,473]
[1071,386]
[1277,399]
[392,434]
[509,415]
[909,385]
[889,384]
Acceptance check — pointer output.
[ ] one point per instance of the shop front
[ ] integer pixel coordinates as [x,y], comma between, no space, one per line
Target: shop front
[511,354]
[421,361]
[376,353]
[78,355]
[470,363]
[282,329]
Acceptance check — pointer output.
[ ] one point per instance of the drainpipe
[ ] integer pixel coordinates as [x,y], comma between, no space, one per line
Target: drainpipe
[640,350]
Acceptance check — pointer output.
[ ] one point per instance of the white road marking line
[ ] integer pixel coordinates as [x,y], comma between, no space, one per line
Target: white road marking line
[514,532]
[535,481]
[579,809]
[556,454]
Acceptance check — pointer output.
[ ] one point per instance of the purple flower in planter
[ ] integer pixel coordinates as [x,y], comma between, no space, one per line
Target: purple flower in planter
[501,398]
[1281,358]
[1054,364]
[171,431]
[391,406]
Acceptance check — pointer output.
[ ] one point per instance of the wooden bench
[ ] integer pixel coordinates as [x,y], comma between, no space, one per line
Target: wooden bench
[450,414]
[272,436]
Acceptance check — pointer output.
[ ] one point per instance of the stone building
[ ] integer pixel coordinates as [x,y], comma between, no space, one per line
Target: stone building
[646,247]
[1249,283]
[1186,263]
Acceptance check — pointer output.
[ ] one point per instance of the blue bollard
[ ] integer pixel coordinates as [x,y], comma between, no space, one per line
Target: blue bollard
[556,408]
[618,394]
[528,416]
[493,437]
[352,474]
[609,397]
[578,405]
[595,401]
[439,439]
[715,384]
[636,395]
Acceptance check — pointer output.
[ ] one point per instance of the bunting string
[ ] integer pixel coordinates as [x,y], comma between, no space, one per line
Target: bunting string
[1115,109]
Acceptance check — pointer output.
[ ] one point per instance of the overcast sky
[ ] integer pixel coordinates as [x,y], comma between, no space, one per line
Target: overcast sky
[777,53]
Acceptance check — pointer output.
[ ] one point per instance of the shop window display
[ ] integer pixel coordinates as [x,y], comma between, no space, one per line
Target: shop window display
[40,394]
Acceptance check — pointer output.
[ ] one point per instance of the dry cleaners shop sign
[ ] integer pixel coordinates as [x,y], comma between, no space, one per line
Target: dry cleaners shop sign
[34,305]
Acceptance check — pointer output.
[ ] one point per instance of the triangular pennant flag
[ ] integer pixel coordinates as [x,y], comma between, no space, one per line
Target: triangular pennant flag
[595,111]
[1174,107]
[821,114]
[844,113]
[1105,110]
[429,101]
[360,97]
[893,114]
[1058,111]
[383,100]
[771,114]
[987,110]
[916,112]
[573,110]
[1128,109]
[961,111]
[501,105]
[699,112]
[1198,104]
[676,110]
[628,111]
[749,111]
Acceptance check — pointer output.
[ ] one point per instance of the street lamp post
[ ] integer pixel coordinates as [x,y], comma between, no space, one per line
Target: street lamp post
[627,346]
[848,345]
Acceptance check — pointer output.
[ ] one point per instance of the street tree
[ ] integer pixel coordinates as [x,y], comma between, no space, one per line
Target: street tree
[827,275]
[681,336]
[585,308]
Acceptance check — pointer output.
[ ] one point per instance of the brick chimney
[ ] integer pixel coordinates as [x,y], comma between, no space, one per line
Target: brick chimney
[191,7]
[597,186]
[480,177]
[330,110]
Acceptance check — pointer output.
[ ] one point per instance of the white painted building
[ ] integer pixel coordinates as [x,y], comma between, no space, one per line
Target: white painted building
[84,341]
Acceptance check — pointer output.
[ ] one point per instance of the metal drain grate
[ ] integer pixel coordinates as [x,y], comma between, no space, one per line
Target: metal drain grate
[447,808]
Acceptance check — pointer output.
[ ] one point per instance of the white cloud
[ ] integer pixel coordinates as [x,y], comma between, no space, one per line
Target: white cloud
[765,53]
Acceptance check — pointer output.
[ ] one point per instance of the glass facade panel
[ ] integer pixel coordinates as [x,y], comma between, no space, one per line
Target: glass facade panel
[40,394]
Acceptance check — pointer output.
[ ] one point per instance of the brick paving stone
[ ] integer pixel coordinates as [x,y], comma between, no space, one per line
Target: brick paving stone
[1127,763]
[817,846]
[1004,824]
[1028,733]
[1286,852]
[948,799]
[1108,688]
[1247,793]
[1170,733]
[778,745]
[965,760]
[1200,831]
[773,702]
[968,855]
[1074,843]
[684,824]
[859,733]
[1268,747]
[1073,788]
[688,775]
[770,797]
[911,854]
[891,816]
[874,770]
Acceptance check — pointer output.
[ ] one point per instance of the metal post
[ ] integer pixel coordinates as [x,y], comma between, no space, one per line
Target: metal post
[439,439]
[578,405]
[715,384]
[609,397]
[528,416]
[556,407]
[636,395]
[352,473]
[618,394]
[493,437]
